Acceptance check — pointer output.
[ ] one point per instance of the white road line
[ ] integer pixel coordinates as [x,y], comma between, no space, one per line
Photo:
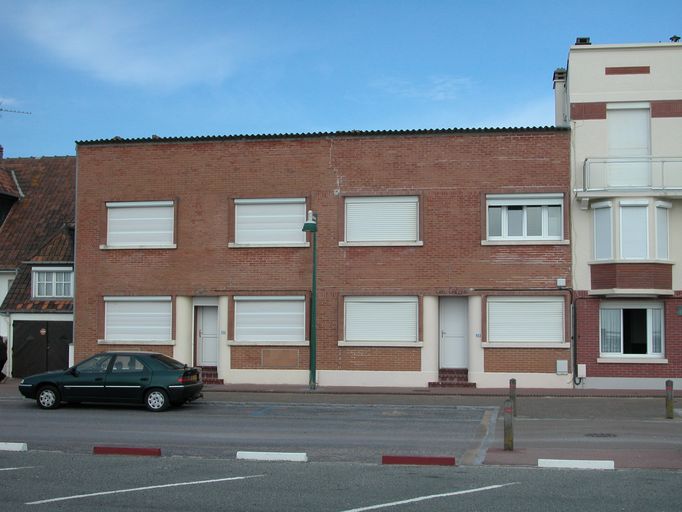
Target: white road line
[431,497]
[14,469]
[179,484]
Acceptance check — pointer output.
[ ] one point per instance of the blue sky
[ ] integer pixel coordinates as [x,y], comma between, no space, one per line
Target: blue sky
[97,69]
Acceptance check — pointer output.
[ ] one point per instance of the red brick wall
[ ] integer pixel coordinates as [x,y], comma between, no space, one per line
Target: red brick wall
[657,276]
[450,172]
[525,360]
[588,343]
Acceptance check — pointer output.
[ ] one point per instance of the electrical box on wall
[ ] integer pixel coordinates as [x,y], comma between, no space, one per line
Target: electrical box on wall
[582,371]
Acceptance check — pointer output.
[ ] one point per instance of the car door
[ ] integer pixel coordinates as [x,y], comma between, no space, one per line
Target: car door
[85,381]
[127,378]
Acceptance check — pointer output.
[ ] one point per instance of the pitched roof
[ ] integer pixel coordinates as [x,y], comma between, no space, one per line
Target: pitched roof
[48,203]
[57,250]
[8,186]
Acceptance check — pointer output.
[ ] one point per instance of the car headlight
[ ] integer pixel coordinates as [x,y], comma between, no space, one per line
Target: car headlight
[22,381]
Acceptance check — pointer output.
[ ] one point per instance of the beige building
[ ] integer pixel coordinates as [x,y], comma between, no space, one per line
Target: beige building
[623,104]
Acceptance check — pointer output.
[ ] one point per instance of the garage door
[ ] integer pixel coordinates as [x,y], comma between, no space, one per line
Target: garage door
[40,346]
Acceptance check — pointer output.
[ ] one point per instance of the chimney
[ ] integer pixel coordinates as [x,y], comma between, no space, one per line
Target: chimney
[1,152]
[582,41]
[560,98]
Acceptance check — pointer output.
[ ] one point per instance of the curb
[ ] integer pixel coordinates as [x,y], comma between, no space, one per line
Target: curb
[13,447]
[119,450]
[274,456]
[576,464]
[416,460]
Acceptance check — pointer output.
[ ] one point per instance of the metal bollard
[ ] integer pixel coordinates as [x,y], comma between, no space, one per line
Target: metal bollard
[508,426]
[512,394]
[669,402]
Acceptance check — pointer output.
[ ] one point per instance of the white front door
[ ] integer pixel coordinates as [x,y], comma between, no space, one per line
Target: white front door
[454,347]
[207,335]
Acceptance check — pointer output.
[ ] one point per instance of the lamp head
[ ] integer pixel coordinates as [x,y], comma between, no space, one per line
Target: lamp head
[311,222]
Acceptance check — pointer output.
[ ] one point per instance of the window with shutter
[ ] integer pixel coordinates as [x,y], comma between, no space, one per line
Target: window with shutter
[525,217]
[140,225]
[525,320]
[143,320]
[261,319]
[276,222]
[381,319]
[382,220]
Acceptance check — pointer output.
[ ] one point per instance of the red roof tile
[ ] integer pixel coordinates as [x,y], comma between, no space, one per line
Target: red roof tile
[48,185]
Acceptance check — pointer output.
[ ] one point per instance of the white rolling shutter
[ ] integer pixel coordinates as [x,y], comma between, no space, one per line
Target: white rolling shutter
[140,319]
[392,319]
[382,219]
[266,221]
[526,319]
[276,319]
[140,224]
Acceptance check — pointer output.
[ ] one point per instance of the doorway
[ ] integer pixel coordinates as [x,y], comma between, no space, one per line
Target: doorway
[454,346]
[206,333]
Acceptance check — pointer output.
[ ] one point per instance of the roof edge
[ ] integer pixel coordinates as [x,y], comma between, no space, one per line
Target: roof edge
[316,135]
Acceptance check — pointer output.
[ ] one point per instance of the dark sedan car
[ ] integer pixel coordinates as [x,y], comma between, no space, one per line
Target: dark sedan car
[154,379]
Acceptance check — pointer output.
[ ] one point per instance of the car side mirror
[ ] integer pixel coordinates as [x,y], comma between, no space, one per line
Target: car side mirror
[73,371]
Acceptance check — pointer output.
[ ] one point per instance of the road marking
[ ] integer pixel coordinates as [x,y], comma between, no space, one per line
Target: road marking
[431,497]
[273,456]
[120,491]
[13,447]
[14,469]
[576,464]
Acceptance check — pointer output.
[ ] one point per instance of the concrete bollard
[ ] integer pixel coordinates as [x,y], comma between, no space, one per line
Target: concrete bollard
[669,402]
[512,394]
[508,426]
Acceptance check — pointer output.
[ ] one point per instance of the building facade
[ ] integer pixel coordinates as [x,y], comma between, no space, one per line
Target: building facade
[623,104]
[442,256]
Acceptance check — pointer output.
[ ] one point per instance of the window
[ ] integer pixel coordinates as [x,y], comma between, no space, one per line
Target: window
[603,231]
[631,329]
[125,363]
[639,238]
[525,217]
[525,320]
[96,364]
[147,224]
[270,221]
[634,222]
[382,220]
[269,319]
[138,320]
[381,319]
[51,283]
[662,209]
[629,136]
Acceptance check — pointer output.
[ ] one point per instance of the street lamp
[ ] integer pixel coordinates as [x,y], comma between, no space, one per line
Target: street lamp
[311,226]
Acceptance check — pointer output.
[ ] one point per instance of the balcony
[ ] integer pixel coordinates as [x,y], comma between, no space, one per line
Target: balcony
[631,176]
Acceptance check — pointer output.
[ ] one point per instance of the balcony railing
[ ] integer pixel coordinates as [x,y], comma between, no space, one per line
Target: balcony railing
[632,174]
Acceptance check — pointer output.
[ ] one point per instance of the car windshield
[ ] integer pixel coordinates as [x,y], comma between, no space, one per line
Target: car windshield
[168,361]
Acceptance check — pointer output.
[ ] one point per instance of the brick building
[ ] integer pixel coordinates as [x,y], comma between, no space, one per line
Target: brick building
[623,104]
[442,255]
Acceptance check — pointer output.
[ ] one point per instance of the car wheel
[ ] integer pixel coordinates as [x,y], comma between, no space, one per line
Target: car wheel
[48,397]
[156,400]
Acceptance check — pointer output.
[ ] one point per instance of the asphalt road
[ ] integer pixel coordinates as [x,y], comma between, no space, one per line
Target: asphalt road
[56,481]
[326,432]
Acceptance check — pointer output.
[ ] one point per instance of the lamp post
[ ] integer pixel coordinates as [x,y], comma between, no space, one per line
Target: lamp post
[311,226]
